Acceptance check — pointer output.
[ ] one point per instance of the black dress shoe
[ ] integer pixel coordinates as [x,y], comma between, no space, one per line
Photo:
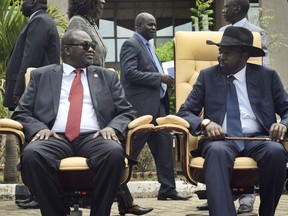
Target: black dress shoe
[204,206]
[134,209]
[31,205]
[29,199]
[243,208]
[173,197]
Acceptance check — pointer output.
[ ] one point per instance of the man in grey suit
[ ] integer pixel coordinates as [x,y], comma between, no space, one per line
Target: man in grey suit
[146,89]
[250,110]
[235,13]
[102,125]
[37,45]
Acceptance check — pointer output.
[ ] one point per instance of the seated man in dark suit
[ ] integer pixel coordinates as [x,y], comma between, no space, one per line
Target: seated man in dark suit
[239,99]
[73,109]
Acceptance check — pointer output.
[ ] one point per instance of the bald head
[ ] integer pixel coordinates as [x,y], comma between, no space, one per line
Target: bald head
[145,25]
[235,10]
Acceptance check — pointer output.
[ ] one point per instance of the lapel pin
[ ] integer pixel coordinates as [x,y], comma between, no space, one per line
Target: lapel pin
[95,76]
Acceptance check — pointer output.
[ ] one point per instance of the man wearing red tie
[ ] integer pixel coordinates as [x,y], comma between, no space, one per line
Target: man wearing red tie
[73,109]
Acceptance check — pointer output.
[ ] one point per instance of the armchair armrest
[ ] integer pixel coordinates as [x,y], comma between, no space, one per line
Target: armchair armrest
[9,126]
[173,119]
[143,120]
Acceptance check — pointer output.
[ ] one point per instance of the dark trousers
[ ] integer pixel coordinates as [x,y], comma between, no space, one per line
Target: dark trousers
[161,147]
[40,160]
[219,156]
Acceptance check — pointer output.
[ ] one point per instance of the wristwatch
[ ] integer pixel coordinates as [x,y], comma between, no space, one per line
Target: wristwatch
[204,123]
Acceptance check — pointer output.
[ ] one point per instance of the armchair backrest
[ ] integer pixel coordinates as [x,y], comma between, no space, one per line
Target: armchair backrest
[192,54]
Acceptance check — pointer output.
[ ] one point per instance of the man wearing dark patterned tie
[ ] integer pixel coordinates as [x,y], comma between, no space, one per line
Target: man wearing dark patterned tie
[73,109]
[239,99]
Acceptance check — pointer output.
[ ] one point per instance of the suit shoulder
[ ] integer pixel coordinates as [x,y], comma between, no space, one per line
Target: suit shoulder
[46,69]
[252,27]
[263,71]
[211,69]
[101,70]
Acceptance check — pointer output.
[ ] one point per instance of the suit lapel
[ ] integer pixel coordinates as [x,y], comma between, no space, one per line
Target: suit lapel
[93,79]
[145,49]
[221,86]
[252,81]
[55,83]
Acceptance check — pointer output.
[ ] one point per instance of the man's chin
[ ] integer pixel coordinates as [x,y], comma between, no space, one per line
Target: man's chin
[223,71]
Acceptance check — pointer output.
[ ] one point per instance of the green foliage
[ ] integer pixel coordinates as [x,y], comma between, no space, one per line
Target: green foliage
[12,22]
[201,15]
[58,17]
[145,161]
[165,52]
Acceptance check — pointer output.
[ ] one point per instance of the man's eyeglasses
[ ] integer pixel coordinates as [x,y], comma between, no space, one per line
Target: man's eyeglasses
[85,45]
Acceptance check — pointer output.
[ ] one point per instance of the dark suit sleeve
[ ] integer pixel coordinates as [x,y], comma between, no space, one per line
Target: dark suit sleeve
[113,109]
[133,57]
[280,99]
[193,105]
[37,39]
[24,111]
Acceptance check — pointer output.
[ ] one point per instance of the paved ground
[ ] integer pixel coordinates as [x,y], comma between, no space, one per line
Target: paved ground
[161,208]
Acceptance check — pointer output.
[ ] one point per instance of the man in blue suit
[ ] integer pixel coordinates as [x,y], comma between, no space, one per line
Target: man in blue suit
[259,97]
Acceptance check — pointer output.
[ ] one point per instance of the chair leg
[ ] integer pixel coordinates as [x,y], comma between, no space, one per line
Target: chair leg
[76,211]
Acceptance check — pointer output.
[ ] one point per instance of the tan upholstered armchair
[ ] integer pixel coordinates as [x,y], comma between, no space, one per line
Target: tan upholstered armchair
[74,174]
[191,56]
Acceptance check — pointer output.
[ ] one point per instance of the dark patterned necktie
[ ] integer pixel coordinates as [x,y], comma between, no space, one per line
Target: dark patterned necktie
[234,128]
[72,130]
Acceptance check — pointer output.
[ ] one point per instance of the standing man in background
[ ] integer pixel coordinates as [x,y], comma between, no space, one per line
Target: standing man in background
[235,13]
[145,87]
[37,45]
[84,15]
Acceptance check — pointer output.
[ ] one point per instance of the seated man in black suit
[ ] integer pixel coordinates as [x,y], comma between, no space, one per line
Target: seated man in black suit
[239,99]
[73,109]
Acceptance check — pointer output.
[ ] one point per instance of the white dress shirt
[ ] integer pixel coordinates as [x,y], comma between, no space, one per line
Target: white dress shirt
[249,123]
[88,119]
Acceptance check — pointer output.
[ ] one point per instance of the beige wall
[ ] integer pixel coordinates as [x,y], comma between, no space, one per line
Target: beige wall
[279,23]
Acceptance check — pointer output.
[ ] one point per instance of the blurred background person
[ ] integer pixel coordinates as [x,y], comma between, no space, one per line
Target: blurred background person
[83,15]
[37,45]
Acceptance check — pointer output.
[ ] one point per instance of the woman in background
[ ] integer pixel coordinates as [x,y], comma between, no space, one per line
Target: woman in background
[83,15]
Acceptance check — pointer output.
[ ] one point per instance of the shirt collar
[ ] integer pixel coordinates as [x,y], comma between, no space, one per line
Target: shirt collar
[241,75]
[240,23]
[144,41]
[68,69]
[33,14]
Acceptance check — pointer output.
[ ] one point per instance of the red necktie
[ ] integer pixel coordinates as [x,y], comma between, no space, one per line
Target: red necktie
[72,130]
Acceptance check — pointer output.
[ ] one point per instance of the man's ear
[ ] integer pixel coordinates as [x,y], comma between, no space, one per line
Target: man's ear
[67,50]
[237,9]
[33,3]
